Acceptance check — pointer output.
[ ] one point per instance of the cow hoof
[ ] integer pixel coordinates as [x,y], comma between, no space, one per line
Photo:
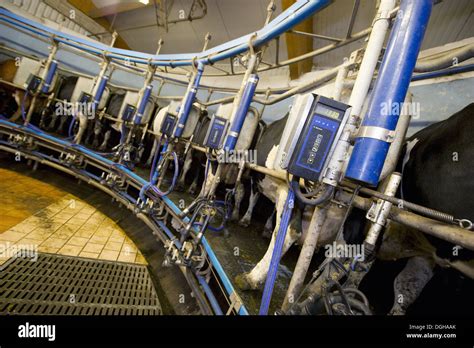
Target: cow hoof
[397,311]
[241,280]
[244,223]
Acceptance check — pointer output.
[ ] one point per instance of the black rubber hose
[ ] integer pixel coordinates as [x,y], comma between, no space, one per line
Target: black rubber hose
[325,195]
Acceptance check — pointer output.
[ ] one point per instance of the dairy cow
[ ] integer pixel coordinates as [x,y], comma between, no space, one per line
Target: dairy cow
[438,172]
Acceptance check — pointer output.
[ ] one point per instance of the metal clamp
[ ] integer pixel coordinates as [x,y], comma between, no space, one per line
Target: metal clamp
[378,133]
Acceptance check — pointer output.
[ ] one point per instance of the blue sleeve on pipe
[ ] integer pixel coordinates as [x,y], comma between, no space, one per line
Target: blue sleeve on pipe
[143,103]
[49,77]
[188,103]
[241,113]
[100,90]
[368,156]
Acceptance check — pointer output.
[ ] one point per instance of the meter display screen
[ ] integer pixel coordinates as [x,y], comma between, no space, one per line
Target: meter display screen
[167,126]
[324,110]
[216,132]
[317,138]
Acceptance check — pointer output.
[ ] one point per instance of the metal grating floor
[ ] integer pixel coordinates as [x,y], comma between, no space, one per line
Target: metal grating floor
[64,285]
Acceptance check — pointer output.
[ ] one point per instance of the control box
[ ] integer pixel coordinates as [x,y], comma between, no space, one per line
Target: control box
[85,98]
[33,83]
[167,126]
[85,104]
[216,132]
[128,112]
[323,126]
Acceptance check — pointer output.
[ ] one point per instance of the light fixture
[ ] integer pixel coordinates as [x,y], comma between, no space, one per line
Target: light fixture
[144,2]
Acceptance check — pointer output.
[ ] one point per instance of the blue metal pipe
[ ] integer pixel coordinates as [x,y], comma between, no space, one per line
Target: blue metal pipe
[368,156]
[49,76]
[143,103]
[100,91]
[241,113]
[188,101]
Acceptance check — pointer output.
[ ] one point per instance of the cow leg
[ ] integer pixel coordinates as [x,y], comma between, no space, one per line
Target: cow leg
[81,130]
[152,153]
[97,131]
[410,282]
[62,121]
[104,144]
[239,196]
[256,277]
[267,229]
[186,166]
[209,181]
[52,123]
[254,195]
[19,97]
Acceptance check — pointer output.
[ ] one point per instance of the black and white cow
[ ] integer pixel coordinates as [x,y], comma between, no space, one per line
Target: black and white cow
[195,161]
[438,172]
[66,89]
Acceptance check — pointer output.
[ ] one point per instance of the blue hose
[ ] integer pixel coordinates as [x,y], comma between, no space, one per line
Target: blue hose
[276,256]
[212,299]
[71,126]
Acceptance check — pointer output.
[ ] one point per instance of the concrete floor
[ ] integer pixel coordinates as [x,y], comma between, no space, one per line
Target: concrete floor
[57,213]
[39,216]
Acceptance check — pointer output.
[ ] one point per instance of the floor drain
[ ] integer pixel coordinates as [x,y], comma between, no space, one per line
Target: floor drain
[64,285]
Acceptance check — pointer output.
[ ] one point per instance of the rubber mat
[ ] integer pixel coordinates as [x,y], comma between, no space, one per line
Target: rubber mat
[63,285]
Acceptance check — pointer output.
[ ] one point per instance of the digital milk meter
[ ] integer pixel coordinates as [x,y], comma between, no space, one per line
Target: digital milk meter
[316,141]
[167,126]
[33,83]
[128,112]
[216,132]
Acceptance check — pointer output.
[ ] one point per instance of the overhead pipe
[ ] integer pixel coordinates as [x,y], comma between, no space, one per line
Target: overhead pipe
[371,147]
[447,60]
[446,72]
[292,16]
[325,76]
